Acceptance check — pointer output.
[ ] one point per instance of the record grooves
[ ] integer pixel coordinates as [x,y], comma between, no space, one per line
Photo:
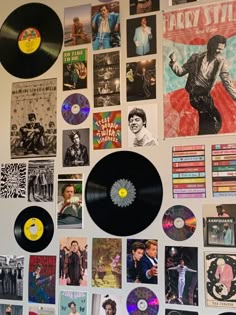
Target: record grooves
[30,40]
[33,229]
[123,193]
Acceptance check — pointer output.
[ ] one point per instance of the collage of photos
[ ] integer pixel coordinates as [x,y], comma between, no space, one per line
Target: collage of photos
[177,62]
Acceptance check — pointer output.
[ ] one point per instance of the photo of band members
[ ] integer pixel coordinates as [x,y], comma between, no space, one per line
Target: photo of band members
[106,79]
[141,80]
[11,277]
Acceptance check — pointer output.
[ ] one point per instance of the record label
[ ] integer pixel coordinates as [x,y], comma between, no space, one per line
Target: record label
[123,193]
[33,229]
[142,301]
[31,38]
[179,223]
[75,109]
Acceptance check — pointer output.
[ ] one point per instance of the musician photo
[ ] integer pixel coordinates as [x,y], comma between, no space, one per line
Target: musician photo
[39,285]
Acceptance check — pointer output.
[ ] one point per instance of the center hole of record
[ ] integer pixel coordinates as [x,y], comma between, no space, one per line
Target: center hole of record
[75,109]
[142,305]
[179,223]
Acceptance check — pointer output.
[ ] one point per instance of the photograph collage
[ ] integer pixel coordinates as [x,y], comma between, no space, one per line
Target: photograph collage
[118,159]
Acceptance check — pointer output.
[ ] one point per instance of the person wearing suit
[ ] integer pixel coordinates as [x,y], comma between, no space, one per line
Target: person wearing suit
[142,37]
[148,263]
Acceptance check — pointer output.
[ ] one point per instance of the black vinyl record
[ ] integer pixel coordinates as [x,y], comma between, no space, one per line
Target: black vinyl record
[142,301]
[123,193]
[30,40]
[179,223]
[75,109]
[33,229]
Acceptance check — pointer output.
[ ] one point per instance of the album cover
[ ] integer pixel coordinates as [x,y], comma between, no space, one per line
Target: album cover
[140,7]
[77,25]
[100,13]
[191,106]
[220,281]
[219,222]
[178,312]
[106,262]
[13,180]
[141,80]
[75,147]
[107,130]
[10,309]
[181,275]
[41,286]
[40,180]
[41,310]
[142,261]
[142,122]
[73,302]
[73,263]
[11,276]
[103,303]
[106,79]
[75,69]
[33,119]
[70,201]
[141,36]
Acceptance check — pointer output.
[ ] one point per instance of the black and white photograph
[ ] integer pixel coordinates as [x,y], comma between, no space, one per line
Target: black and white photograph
[40,181]
[10,309]
[106,79]
[33,119]
[143,6]
[11,277]
[141,36]
[76,147]
[141,80]
[142,124]
[13,180]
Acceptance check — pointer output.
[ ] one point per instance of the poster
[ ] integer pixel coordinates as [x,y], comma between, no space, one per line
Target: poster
[220,284]
[73,302]
[199,70]
[33,118]
[107,130]
[41,282]
[13,180]
[75,69]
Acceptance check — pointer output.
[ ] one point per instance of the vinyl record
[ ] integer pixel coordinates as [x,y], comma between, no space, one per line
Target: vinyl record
[33,229]
[30,40]
[123,193]
[179,223]
[75,109]
[142,301]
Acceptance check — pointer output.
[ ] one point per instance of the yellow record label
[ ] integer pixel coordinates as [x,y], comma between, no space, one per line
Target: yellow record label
[29,40]
[33,229]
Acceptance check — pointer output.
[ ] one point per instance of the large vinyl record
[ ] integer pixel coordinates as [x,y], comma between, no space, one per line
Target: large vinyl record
[33,229]
[123,193]
[30,40]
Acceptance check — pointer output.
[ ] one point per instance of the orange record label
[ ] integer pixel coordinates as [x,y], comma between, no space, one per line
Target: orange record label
[33,229]
[29,40]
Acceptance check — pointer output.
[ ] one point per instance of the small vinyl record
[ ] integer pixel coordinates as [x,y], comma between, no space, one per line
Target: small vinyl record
[75,109]
[179,223]
[31,38]
[142,301]
[123,193]
[33,229]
